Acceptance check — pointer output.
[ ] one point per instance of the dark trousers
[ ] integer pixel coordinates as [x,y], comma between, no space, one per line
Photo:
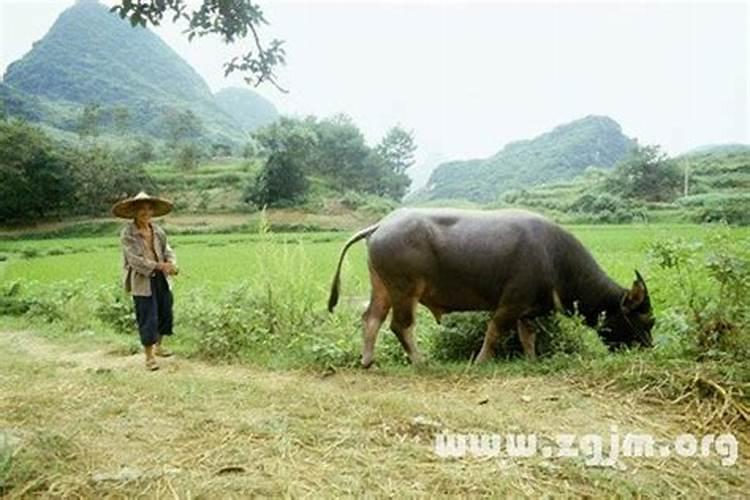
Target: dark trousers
[154,313]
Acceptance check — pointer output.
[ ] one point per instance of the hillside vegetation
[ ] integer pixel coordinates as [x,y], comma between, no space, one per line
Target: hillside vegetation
[131,79]
[560,154]
[246,107]
[718,188]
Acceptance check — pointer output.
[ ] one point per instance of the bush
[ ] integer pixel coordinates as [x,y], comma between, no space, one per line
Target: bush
[353,200]
[11,304]
[604,208]
[739,215]
[715,309]
[51,305]
[248,320]
[232,328]
[29,253]
[114,308]
[461,335]
[717,207]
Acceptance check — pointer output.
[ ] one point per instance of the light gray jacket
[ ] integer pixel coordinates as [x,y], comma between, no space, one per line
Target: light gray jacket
[137,269]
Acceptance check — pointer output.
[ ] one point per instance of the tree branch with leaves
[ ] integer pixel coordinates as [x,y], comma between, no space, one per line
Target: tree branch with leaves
[231,20]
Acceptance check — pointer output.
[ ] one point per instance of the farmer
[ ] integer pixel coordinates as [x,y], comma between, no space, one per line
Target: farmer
[148,261]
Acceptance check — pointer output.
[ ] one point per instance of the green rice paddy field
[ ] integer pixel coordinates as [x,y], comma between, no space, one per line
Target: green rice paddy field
[214,262]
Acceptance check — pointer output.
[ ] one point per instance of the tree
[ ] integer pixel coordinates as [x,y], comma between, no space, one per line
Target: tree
[646,174]
[250,149]
[281,182]
[188,156]
[397,149]
[88,121]
[219,149]
[342,154]
[143,151]
[182,125]
[231,20]
[288,144]
[101,176]
[35,178]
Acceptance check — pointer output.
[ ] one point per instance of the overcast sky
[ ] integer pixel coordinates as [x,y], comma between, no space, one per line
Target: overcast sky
[469,77]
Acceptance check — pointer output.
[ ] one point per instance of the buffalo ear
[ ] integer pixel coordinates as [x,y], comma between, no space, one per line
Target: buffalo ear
[636,295]
[639,279]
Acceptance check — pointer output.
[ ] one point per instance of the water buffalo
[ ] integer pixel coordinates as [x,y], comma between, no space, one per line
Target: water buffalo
[517,264]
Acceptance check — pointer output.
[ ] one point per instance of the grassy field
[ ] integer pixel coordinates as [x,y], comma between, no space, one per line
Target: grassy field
[265,398]
[222,260]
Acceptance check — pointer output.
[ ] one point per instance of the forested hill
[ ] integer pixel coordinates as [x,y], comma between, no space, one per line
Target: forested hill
[92,57]
[248,108]
[560,154]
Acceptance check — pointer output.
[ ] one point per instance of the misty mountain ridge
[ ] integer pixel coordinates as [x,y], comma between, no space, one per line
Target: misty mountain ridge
[91,56]
[246,107]
[560,154]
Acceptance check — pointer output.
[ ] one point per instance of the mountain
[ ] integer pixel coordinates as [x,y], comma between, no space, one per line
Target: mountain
[248,108]
[560,154]
[91,56]
[420,172]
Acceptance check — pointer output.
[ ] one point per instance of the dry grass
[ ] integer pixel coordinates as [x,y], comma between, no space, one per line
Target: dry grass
[88,423]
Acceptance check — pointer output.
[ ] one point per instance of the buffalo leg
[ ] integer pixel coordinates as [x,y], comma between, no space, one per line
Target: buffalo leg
[501,322]
[402,325]
[373,318]
[527,334]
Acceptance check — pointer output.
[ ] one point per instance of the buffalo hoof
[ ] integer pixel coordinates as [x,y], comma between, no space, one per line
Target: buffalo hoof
[416,359]
[482,358]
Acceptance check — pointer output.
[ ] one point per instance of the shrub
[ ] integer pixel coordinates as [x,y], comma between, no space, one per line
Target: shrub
[67,302]
[736,214]
[29,253]
[242,321]
[343,351]
[461,335]
[561,335]
[11,304]
[353,200]
[114,308]
[715,309]
[604,208]
[718,207]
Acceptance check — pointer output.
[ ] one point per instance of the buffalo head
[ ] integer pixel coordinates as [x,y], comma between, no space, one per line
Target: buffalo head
[630,325]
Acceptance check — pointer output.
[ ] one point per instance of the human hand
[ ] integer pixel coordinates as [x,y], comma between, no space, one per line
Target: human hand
[167,268]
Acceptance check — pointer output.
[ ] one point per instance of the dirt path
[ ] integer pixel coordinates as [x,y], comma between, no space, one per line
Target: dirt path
[95,423]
